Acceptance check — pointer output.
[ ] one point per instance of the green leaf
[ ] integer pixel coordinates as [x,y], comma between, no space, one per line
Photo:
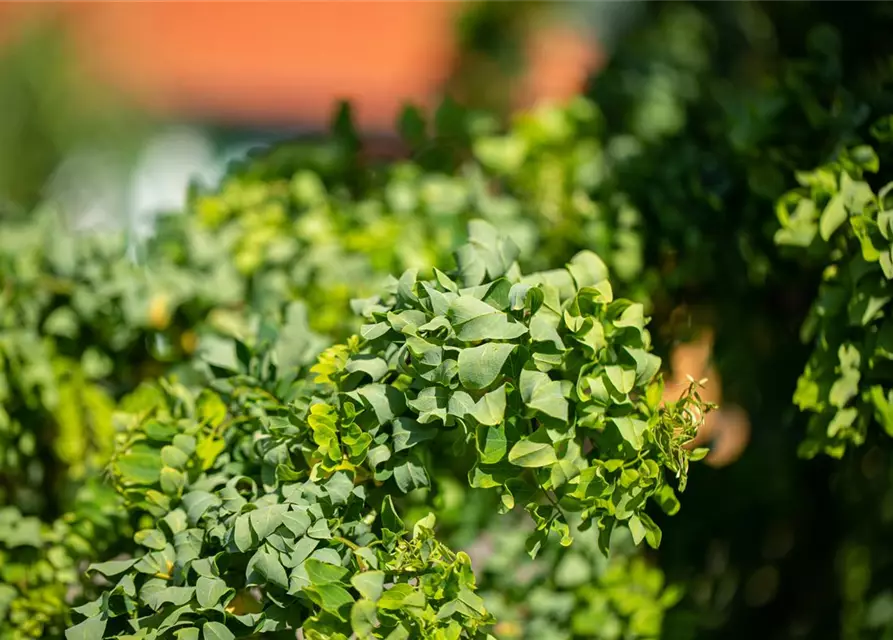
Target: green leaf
[666,498]
[112,567]
[265,566]
[373,366]
[174,457]
[865,157]
[637,529]
[628,477]
[151,538]
[210,590]
[266,520]
[653,533]
[207,451]
[89,629]
[527,453]
[563,472]
[647,365]
[431,404]
[844,388]
[480,366]
[491,443]
[883,407]
[396,596]
[471,600]
[323,572]
[502,154]
[833,216]
[369,584]
[90,609]
[386,401]
[587,269]
[389,518]
[407,432]
[172,481]
[543,394]
[699,454]
[243,536]
[622,379]
[176,596]
[320,530]
[363,617]
[296,521]
[410,475]
[301,551]
[176,521]
[490,409]
[197,504]
[339,487]
[631,430]
[332,598]
[216,631]
[160,432]
[139,468]
[527,296]
[474,320]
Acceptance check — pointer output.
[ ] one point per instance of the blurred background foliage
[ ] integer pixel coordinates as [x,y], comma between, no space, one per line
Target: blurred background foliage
[691,129]
[52,109]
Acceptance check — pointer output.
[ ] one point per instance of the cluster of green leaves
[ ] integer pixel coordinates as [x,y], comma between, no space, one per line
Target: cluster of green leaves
[289,215]
[271,501]
[574,592]
[837,217]
[79,325]
[240,540]
[41,563]
[553,163]
[82,324]
[547,374]
[32,591]
[85,325]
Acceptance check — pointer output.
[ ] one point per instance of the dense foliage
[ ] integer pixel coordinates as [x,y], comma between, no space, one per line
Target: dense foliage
[84,323]
[281,491]
[103,323]
[838,215]
[287,215]
[283,498]
[743,98]
[572,592]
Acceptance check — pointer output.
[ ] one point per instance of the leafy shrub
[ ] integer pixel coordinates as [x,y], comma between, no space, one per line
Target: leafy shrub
[708,112]
[83,324]
[42,562]
[838,216]
[278,493]
[290,214]
[573,592]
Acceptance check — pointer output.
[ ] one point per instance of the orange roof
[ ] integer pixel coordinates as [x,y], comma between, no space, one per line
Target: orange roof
[287,62]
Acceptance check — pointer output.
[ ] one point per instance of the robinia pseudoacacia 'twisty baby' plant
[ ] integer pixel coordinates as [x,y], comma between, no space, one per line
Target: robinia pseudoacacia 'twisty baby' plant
[272,499]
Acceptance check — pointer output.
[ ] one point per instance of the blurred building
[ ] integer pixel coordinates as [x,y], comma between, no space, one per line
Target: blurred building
[286,63]
[262,70]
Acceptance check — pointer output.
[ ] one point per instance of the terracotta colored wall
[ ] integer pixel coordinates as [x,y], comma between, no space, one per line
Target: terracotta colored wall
[287,62]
